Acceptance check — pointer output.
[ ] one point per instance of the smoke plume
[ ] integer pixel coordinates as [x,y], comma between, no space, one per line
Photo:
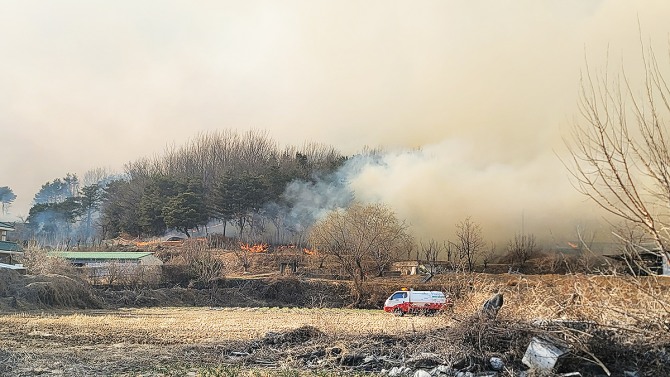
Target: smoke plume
[437,186]
[473,95]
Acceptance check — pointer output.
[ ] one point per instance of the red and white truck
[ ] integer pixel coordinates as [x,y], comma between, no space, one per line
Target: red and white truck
[416,302]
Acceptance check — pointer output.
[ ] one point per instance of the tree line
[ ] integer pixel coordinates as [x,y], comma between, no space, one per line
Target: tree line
[225,177]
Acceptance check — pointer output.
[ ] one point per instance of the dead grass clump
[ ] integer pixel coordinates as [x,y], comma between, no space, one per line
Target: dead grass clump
[194,265]
[8,360]
[375,293]
[608,349]
[642,303]
[590,346]
[9,282]
[293,291]
[291,337]
[58,291]
[481,336]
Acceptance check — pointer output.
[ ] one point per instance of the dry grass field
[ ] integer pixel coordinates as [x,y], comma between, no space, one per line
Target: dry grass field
[169,326]
[164,341]
[625,322]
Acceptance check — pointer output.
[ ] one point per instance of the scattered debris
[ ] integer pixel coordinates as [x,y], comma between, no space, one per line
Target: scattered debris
[297,336]
[425,360]
[542,354]
[493,305]
[465,374]
[421,373]
[497,363]
[398,371]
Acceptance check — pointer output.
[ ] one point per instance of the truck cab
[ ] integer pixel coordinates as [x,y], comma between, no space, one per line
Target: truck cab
[397,298]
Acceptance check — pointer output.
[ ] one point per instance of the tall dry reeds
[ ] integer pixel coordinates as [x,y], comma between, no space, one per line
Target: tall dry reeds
[38,262]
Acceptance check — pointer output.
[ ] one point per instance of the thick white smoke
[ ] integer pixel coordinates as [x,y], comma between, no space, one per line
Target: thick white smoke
[435,187]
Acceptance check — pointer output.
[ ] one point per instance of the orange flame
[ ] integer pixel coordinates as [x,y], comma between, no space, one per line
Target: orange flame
[258,248]
[309,252]
[147,243]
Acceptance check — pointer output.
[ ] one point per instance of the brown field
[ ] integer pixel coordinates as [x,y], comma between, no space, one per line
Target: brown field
[168,326]
[156,341]
[632,318]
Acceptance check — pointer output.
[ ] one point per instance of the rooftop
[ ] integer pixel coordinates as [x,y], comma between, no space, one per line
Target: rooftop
[6,226]
[9,246]
[12,267]
[103,255]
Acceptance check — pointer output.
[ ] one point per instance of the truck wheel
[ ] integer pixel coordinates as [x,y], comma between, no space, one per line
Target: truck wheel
[398,312]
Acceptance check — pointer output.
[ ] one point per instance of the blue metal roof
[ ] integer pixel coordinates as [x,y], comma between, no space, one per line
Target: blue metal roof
[9,246]
[6,225]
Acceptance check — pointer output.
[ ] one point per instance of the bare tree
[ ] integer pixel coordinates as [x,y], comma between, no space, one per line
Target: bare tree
[360,236]
[431,251]
[619,150]
[632,250]
[489,255]
[114,271]
[521,248]
[470,242]
[449,247]
[96,176]
[206,267]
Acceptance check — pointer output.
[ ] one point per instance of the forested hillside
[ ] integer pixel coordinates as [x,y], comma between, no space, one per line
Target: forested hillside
[226,179]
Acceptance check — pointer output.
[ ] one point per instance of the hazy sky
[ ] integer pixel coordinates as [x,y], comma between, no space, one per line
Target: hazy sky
[486,88]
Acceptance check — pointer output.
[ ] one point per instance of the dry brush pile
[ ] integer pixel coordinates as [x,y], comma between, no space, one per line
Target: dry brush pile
[610,324]
[18,292]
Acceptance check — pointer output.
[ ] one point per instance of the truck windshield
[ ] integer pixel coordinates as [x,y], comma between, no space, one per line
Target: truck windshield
[399,295]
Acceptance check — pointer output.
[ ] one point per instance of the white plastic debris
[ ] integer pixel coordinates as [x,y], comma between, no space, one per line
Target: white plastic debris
[395,372]
[443,369]
[465,374]
[421,373]
[542,354]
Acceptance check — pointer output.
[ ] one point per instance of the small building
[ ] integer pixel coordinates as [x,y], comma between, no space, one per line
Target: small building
[409,267]
[87,259]
[16,267]
[4,228]
[112,266]
[414,267]
[9,251]
[5,244]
